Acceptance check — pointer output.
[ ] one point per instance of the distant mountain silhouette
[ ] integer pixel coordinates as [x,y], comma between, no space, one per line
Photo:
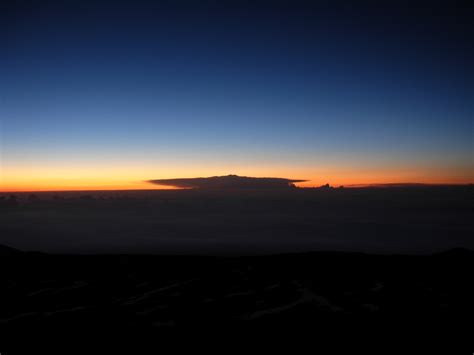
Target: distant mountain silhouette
[406,185]
[228,182]
[8,251]
[457,253]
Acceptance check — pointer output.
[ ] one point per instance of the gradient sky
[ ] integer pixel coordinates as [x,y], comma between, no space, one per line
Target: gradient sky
[107,94]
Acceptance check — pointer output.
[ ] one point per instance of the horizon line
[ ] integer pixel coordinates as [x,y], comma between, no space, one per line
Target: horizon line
[349,186]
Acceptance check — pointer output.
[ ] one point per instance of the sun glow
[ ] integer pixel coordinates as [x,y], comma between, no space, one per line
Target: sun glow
[134,178]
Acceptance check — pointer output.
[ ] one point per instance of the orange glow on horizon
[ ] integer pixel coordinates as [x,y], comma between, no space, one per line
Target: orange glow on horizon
[40,188]
[63,177]
[85,184]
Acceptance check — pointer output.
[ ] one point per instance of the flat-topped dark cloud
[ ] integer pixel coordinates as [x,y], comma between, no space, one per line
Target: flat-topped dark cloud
[228,182]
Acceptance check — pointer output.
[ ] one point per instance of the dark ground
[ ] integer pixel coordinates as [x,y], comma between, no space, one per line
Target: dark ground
[382,302]
[340,301]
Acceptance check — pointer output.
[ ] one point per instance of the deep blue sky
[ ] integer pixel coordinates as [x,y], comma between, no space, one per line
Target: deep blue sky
[114,92]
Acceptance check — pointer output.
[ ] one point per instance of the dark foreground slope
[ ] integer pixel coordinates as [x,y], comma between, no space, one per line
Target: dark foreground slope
[137,304]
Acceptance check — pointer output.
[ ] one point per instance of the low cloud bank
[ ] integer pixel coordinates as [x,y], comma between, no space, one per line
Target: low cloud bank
[228,182]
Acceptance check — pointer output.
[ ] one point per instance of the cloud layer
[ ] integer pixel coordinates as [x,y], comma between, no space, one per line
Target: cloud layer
[228,182]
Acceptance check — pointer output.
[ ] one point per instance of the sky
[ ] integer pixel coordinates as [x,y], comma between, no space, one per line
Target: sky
[110,94]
